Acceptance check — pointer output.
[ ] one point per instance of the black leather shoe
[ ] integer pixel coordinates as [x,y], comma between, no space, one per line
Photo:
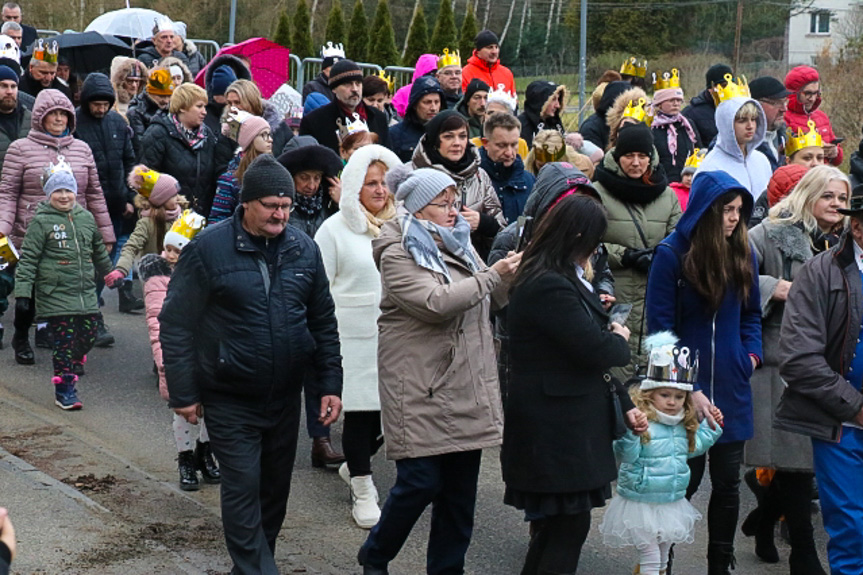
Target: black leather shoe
[103,336]
[324,454]
[188,475]
[128,302]
[206,464]
[23,352]
[43,338]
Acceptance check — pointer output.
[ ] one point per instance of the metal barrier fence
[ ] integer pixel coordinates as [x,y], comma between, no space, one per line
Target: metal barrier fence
[401,74]
[207,48]
[47,33]
[295,72]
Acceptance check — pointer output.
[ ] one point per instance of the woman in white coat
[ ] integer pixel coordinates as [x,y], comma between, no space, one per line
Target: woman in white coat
[345,240]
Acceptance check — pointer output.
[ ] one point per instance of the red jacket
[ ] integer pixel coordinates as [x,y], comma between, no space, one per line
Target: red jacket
[796,117]
[493,75]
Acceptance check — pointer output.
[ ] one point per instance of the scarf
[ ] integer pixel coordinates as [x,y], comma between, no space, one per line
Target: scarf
[671,420]
[417,240]
[454,168]
[629,190]
[348,113]
[670,121]
[309,205]
[192,137]
[377,220]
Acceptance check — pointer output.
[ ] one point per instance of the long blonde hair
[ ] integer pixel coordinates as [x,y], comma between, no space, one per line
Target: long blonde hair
[797,206]
[643,400]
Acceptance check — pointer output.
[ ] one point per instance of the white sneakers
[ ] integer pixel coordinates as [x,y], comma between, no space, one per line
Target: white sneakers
[364,496]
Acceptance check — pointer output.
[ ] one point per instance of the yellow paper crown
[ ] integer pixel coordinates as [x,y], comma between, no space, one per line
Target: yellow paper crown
[695,158]
[732,89]
[391,83]
[447,59]
[636,110]
[46,51]
[632,67]
[8,253]
[149,179]
[188,224]
[801,140]
[666,80]
[548,153]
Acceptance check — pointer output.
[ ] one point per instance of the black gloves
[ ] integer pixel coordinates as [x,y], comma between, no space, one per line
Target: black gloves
[638,260]
[23,305]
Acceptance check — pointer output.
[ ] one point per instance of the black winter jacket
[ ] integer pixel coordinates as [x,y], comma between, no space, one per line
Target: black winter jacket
[110,139]
[594,129]
[149,56]
[237,328]
[538,93]
[140,115]
[164,149]
[22,120]
[321,124]
[701,113]
[30,86]
[319,84]
[405,135]
[673,164]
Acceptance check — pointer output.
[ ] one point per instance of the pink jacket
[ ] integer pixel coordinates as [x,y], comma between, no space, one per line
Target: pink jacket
[425,64]
[155,272]
[21,187]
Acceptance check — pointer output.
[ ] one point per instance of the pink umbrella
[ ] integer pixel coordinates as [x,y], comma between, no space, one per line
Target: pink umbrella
[269,63]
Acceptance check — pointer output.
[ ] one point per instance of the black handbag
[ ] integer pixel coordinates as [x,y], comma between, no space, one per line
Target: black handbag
[618,420]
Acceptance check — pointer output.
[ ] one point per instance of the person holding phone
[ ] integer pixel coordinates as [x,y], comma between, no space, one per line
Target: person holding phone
[803,106]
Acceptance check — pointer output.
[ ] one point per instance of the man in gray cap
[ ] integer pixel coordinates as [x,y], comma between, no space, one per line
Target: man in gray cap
[248,311]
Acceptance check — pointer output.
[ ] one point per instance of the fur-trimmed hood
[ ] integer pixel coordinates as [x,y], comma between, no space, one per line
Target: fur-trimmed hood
[352,182]
[791,239]
[229,60]
[152,265]
[540,93]
[615,113]
[121,66]
[172,61]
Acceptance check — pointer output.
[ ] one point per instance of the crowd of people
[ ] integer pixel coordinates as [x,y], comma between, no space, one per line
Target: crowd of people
[607,304]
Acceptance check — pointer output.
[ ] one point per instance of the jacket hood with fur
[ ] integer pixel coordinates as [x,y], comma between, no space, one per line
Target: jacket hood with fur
[232,62]
[352,182]
[172,61]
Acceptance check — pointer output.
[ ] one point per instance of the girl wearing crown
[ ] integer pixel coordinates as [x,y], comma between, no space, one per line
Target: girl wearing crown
[703,286]
[805,149]
[650,511]
[674,137]
[160,203]
[60,255]
[155,270]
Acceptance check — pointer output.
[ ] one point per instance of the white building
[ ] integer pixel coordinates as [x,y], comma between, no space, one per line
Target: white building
[824,23]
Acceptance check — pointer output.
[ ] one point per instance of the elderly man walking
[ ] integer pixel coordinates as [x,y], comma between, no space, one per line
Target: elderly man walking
[248,311]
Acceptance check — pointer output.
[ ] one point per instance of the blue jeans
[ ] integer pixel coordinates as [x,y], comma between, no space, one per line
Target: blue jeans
[839,472]
[448,482]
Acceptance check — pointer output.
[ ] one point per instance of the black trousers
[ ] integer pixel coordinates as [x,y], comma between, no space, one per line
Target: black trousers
[361,439]
[555,547]
[255,446]
[724,461]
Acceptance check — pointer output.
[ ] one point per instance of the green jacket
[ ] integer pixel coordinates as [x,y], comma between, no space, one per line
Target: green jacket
[60,256]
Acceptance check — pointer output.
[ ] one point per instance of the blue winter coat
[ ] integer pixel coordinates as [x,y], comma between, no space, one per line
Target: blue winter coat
[657,472]
[513,184]
[733,331]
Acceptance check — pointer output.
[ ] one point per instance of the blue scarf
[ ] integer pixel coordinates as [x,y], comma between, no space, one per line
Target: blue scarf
[418,241]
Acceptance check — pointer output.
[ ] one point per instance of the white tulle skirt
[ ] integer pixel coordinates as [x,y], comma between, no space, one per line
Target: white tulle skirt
[627,522]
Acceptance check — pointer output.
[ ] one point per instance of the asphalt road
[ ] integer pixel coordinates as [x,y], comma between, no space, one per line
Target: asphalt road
[139,521]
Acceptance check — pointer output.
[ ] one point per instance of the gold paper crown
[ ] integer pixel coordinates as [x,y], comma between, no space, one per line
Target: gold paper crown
[666,80]
[447,59]
[188,224]
[148,180]
[695,158]
[636,110]
[391,83]
[8,253]
[632,67]
[46,51]
[333,50]
[801,140]
[348,128]
[546,153]
[732,89]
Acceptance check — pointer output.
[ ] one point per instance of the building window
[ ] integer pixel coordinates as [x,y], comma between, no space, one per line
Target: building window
[819,22]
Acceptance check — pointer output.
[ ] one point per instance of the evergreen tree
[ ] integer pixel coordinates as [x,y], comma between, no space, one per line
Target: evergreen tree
[469,30]
[358,36]
[336,24]
[445,34]
[383,50]
[418,38]
[282,36]
[302,37]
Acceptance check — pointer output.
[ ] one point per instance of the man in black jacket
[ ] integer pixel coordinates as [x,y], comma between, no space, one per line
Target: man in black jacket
[321,83]
[248,311]
[41,75]
[701,111]
[110,139]
[12,13]
[161,46]
[346,82]
[773,97]
[154,100]
[14,117]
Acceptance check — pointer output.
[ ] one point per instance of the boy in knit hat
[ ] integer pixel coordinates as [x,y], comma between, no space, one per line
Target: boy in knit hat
[60,255]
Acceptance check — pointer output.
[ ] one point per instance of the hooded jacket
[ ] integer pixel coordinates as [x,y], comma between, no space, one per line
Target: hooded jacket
[214,110]
[21,185]
[513,184]
[539,94]
[197,62]
[120,68]
[494,75]
[149,56]
[167,62]
[110,140]
[752,171]
[724,339]
[701,113]
[594,129]
[401,99]
[60,267]
[404,136]
[796,116]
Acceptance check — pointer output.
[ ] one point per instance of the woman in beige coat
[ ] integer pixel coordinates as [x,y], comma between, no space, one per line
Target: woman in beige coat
[440,402]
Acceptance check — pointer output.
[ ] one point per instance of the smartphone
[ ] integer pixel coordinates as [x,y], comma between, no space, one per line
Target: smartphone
[525,231]
[837,141]
[619,313]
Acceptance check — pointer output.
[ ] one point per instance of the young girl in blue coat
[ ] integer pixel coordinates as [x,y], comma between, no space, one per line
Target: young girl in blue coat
[650,510]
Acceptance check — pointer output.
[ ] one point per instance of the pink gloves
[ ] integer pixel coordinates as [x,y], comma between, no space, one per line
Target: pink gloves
[114,277]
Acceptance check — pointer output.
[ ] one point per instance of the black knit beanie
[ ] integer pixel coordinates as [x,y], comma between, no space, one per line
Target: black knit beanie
[474,86]
[266,177]
[485,38]
[634,138]
[344,71]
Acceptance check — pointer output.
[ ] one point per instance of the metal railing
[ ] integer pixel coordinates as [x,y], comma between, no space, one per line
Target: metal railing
[295,72]
[47,33]
[207,48]
[401,74]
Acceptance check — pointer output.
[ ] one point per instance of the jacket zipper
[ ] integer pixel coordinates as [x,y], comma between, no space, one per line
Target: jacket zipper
[80,262]
[713,358]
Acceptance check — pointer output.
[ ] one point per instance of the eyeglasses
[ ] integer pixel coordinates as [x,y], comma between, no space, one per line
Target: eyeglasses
[448,206]
[273,208]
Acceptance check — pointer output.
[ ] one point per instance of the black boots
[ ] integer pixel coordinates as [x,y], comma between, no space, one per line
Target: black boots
[188,475]
[103,336]
[323,453]
[720,558]
[128,302]
[21,345]
[205,463]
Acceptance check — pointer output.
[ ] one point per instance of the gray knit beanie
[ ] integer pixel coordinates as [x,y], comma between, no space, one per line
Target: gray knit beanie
[422,187]
[60,180]
[266,177]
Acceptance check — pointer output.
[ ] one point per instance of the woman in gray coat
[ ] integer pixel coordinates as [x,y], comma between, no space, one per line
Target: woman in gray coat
[802,225]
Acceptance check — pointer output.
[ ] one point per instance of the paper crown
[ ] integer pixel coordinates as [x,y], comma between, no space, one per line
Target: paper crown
[731,89]
[333,51]
[52,168]
[348,128]
[162,24]
[666,80]
[695,158]
[160,82]
[447,59]
[235,119]
[46,51]
[9,48]
[391,83]
[637,110]
[502,95]
[669,365]
[148,177]
[632,67]
[8,253]
[185,228]
[801,140]
[547,152]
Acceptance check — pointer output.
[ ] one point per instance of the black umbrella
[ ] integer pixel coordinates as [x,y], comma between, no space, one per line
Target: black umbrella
[85,51]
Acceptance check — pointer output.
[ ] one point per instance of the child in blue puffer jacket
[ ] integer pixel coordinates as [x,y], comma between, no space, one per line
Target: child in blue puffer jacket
[650,510]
